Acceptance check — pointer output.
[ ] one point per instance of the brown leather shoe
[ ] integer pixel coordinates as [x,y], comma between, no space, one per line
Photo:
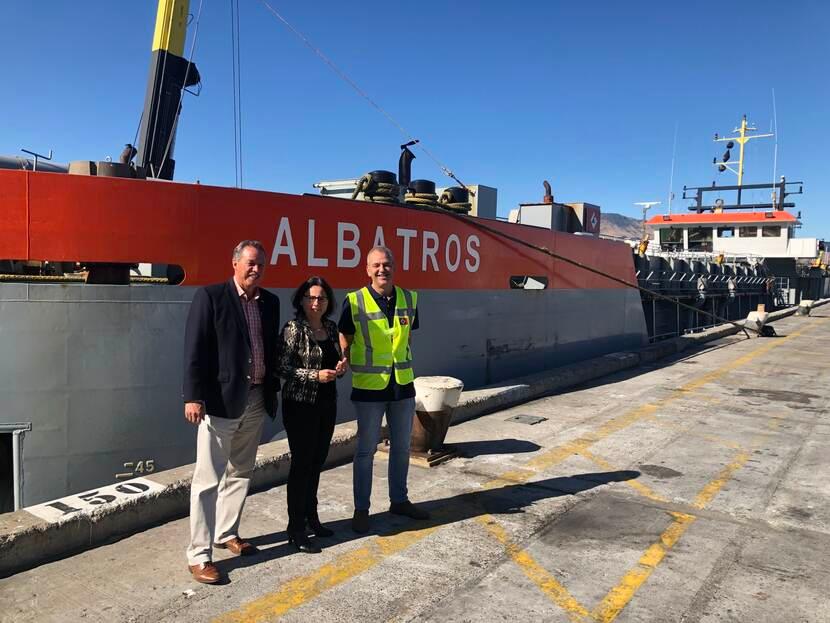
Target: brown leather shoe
[206,573]
[238,546]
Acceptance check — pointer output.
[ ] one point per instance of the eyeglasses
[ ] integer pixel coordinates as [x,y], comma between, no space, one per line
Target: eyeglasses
[319,299]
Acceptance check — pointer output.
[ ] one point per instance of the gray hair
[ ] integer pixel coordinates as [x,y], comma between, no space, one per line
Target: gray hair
[381,249]
[238,249]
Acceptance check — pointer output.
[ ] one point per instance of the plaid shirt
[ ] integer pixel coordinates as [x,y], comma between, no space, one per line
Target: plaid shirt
[301,359]
[253,318]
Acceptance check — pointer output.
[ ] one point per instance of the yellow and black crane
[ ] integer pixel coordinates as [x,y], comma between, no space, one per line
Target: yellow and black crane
[170,74]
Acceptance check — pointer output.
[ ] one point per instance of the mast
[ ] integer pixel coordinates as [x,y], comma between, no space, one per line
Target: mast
[726,162]
[169,74]
[742,139]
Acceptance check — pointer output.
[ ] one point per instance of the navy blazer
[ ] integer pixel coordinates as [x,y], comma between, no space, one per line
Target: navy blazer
[217,351]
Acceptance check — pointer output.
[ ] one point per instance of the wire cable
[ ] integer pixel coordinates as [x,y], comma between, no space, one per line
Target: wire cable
[235,115]
[778,200]
[500,234]
[138,128]
[239,89]
[342,75]
[673,155]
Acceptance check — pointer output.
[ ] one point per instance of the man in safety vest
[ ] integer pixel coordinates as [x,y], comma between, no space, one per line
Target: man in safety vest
[375,334]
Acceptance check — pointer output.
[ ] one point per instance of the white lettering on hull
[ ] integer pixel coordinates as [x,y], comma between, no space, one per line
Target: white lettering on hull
[407,235]
[314,261]
[348,244]
[284,243]
[437,254]
[452,263]
[380,239]
[473,243]
[429,248]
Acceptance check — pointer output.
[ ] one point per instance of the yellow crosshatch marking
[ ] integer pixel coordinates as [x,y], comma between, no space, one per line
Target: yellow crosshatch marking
[639,487]
[540,576]
[619,596]
[304,589]
[688,430]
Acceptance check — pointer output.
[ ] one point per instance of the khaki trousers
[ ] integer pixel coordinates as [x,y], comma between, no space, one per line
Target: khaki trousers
[225,456]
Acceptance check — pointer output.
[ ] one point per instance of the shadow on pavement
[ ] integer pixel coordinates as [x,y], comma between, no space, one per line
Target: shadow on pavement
[470,449]
[508,499]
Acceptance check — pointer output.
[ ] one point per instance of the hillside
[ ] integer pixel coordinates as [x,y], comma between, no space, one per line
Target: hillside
[620,226]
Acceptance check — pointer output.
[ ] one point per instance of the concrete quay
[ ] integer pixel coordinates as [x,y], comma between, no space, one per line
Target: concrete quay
[693,488]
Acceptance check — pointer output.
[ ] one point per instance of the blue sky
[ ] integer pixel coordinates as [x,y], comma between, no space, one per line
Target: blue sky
[586,95]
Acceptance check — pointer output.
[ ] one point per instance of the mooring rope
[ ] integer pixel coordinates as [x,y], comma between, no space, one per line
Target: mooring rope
[494,232]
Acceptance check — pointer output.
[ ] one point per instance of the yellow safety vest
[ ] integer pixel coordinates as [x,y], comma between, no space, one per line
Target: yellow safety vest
[378,349]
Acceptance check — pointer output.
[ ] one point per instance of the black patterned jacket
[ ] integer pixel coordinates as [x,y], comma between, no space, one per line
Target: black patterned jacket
[301,359]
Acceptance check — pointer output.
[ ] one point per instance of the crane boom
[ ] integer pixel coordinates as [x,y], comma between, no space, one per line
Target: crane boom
[170,73]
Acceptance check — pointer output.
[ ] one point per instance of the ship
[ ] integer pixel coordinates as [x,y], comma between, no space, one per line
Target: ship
[726,256]
[101,259]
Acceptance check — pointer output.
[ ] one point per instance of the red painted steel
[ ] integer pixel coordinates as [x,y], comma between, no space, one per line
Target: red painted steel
[777,216]
[13,216]
[92,219]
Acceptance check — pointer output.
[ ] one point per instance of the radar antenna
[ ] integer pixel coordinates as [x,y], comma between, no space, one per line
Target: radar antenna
[646,206]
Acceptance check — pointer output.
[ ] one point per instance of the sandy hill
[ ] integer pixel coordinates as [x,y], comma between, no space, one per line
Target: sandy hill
[620,226]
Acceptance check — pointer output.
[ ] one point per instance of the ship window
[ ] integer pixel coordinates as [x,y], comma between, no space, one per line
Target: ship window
[700,239]
[672,237]
[726,232]
[528,282]
[771,231]
[6,474]
[748,232]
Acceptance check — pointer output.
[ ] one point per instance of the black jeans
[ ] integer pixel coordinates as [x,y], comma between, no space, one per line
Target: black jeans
[309,428]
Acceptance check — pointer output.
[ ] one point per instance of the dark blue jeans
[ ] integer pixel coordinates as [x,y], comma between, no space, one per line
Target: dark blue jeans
[399,414]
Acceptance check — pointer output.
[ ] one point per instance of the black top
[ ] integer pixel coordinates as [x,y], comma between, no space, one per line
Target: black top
[393,391]
[301,359]
[328,391]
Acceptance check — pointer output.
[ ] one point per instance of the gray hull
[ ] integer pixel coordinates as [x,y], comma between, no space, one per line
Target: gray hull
[96,370]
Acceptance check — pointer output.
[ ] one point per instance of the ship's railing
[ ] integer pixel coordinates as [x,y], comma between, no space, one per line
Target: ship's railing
[701,291]
[705,256]
[665,319]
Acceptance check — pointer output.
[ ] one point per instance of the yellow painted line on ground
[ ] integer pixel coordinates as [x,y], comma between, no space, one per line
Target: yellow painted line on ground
[775,423]
[537,574]
[513,477]
[639,487]
[301,590]
[714,486]
[689,430]
[619,596]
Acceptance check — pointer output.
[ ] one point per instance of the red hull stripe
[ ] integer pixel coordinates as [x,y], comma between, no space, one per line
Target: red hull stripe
[778,216]
[58,217]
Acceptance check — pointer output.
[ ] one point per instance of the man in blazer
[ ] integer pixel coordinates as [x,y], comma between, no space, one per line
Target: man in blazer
[230,384]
